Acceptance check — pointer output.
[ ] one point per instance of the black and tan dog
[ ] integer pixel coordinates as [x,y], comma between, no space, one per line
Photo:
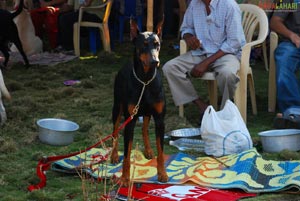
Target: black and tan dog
[9,33]
[138,86]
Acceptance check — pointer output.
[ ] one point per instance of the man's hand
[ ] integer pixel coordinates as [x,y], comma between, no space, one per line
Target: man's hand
[200,69]
[192,41]
[295,38]
[203,67]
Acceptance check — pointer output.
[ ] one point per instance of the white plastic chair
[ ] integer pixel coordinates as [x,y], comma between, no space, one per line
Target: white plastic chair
[272,73]
[103,27]
[252,17]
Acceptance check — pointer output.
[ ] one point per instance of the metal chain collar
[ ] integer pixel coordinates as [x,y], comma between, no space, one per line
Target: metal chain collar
[136,108]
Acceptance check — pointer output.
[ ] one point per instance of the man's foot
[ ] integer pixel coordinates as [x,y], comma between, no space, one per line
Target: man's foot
[282,123]
[202,107]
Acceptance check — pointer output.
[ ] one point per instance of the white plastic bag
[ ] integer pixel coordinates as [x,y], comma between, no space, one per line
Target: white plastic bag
[224,132]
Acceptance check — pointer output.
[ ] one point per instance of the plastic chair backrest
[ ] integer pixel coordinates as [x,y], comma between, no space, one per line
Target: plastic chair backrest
[253,16]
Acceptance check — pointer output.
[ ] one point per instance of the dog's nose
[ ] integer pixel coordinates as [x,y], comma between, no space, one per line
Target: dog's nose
[154,63]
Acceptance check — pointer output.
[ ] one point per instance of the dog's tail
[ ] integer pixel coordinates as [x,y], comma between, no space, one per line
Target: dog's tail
[19,9]
[3,88]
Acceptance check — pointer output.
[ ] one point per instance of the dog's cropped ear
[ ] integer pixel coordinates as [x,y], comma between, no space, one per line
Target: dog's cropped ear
[134,30]
[159,27]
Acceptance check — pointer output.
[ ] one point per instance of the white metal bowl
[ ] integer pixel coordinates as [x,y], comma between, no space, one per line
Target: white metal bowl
[280,139]
[183,133]
[56,131]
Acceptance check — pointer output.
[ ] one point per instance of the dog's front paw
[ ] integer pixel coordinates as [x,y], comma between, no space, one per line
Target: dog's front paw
[162,177]
[125,181]
[114,158]
[148,153]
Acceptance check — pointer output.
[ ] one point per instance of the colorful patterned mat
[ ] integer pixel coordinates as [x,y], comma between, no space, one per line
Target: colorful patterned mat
[247,171]
[168,192]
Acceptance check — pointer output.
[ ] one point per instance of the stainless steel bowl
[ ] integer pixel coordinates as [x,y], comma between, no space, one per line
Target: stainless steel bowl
[280,139]
[184,132]
[56,131]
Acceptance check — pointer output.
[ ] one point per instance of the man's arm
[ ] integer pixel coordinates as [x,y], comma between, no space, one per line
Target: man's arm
[277,25]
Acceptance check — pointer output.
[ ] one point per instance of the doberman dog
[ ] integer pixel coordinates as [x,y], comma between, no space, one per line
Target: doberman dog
[9,33]
[138,91]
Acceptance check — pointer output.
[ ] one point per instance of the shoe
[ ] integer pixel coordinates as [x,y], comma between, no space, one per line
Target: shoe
[282,123]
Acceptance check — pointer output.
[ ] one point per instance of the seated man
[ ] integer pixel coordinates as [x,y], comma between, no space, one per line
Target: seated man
[44,19]
[287,57]
[213,31]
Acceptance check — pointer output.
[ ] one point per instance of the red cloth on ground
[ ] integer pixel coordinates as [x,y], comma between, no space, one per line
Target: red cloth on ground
[45,20]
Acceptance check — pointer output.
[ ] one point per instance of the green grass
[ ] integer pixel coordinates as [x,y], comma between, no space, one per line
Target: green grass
[39,92]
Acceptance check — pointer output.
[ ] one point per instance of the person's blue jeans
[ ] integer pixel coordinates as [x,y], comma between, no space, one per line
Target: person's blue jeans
[287,58]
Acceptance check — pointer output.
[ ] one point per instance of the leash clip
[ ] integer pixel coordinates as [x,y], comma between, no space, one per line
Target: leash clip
[135,111]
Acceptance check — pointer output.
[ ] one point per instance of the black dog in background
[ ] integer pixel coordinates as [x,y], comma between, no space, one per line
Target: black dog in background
[138,88]
[9,33]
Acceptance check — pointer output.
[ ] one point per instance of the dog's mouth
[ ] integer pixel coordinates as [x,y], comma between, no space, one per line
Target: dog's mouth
[152,64]
[149,61]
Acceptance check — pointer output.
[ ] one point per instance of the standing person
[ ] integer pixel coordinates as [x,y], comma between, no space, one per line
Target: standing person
[287,56]
[214,34]
[44,19]
[67,18]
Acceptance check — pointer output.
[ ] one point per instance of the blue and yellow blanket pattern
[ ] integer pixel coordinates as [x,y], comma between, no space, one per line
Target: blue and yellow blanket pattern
[247,170]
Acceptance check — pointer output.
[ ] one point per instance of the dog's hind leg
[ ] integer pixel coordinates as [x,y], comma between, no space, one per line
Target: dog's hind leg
[128,138]
[117,112]
[159,135]
[159,130]
[148,152]
[16,40]
[117,116]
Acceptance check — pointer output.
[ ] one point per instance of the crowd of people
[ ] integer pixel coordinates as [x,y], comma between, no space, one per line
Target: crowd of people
[213,32]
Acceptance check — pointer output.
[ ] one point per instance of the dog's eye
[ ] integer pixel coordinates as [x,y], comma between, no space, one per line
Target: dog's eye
[146,44]
[156,44]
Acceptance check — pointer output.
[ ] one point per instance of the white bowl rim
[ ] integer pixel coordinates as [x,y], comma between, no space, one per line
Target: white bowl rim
[76,126]
[279,132]
[184,132]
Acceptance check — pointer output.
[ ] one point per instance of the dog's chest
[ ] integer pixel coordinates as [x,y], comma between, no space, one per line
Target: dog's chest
[152,93]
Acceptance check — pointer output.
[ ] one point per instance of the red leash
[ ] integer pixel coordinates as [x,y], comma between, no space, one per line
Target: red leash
[44,163]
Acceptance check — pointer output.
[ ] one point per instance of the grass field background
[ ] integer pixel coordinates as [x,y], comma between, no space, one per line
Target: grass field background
[39,92]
